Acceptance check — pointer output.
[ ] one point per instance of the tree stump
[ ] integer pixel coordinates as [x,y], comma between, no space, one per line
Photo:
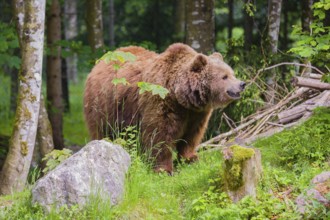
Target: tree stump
[242,171]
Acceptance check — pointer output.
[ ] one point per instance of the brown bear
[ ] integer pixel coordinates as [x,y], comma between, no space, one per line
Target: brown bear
[197,85]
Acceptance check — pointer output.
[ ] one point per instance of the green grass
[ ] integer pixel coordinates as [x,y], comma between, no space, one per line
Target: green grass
[74,128]
[290,160]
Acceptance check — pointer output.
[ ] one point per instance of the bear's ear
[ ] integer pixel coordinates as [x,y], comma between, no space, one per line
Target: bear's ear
[198,63]
[216,55]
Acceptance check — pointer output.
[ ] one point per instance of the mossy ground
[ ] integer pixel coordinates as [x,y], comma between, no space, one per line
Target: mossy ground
[195,190]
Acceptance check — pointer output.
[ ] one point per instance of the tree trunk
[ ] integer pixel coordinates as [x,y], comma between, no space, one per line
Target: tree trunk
[200,29]
[16,167]
[285,26]
[112,23]
[306,20]
[65,85]
[248,28]
[230,18]
[44,142]
[274,19]
[94,24]
[306,15]
[179,21]
[54,72]
[70,33]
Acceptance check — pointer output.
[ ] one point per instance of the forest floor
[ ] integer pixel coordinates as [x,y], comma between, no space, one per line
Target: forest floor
[290,160]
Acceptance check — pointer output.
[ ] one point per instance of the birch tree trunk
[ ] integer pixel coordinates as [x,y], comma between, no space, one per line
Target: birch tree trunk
[94,23]
[54,73]
[200,26]
[70,33]
[16,167]
[44,142]
[274,20]
[112,23]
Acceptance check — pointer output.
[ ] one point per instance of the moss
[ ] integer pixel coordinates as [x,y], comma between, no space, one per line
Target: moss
[24,148]
[233,167]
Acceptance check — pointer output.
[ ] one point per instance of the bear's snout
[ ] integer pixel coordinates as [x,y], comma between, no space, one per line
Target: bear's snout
[242,85]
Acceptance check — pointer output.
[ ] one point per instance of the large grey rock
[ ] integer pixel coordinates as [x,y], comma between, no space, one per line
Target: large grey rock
[96,170]
[317,191]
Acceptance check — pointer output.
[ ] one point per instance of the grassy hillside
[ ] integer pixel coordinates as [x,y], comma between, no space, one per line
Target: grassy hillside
[290,160]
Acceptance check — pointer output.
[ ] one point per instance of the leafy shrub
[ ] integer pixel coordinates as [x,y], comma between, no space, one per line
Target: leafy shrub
[306,144]
[54,158]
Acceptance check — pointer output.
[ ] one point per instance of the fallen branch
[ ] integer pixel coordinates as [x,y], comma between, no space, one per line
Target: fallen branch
[310,83]
[283,102]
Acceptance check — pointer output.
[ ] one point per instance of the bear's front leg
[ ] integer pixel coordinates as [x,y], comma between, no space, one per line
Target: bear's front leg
[162,155]
[193,136]
[159,135]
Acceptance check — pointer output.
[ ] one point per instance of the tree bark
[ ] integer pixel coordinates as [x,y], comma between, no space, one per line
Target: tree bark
[200,26]
[70,33]
[54,72]
[306,20]
[180,21]
[306,15]
[16,167]
[44,142]
[274,20]
[310,83]
[248,28]
[112,23]
[94,24]
[65,85]
[230,18]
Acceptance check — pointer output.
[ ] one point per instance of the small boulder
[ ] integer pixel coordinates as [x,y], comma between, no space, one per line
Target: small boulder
[320,187]
[96,170]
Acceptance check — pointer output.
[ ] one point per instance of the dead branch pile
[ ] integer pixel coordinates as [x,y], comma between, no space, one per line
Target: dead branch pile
[293,109]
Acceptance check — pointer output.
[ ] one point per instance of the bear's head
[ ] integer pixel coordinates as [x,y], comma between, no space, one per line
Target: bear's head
[206,82]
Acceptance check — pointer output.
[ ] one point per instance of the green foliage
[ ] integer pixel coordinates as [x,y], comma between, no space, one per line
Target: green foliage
[306,144]
[120,56]
[123,57]
[117,81]
[54,158]
[8,43]
[153,88]
[316,44]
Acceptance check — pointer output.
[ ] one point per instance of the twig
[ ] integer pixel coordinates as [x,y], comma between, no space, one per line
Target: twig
[283,102]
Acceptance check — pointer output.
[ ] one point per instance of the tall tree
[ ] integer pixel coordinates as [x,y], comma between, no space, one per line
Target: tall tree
[306,20]
[30,16]
[200,26]
[274,20]
[306,15]
[248,25]
[179,21]
[54,73]
[70,33]
[112,23]
[230,4]
[94,23]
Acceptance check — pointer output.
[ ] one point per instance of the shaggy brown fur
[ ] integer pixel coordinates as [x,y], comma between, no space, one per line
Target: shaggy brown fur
[197,84]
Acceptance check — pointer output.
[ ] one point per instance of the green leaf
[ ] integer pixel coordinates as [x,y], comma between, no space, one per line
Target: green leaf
[154,89]
[117,81]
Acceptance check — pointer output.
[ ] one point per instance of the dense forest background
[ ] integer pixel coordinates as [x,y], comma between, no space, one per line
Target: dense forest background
[252,35]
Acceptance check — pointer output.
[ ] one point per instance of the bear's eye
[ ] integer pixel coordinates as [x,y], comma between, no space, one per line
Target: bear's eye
[225,77]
